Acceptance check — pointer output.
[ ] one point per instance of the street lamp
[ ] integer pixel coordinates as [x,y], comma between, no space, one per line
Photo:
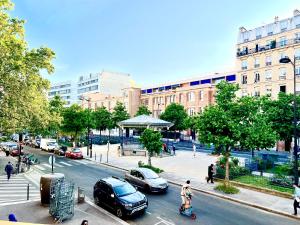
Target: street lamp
[296,175]
[82,98]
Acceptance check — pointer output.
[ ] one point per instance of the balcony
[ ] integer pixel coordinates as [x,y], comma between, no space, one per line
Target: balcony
[256,65]
[272,45]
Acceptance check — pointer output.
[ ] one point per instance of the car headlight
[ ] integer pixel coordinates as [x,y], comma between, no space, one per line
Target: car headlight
[128,206]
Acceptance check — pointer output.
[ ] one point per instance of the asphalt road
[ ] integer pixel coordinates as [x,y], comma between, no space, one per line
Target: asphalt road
[163,208]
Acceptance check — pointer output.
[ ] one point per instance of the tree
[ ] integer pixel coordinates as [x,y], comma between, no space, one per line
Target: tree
[143,110]
[175,114]
[102,119]
[56,107]
[191,123]
[119,113]
[23,90]
[152,141]
[280,115]
[74,121]
[232,121]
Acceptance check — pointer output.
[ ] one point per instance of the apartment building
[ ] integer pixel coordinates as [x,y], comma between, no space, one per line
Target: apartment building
[258,53]
[194,94]
[66,90]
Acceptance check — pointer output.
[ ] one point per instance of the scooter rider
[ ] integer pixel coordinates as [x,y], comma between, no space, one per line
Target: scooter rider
[186,193]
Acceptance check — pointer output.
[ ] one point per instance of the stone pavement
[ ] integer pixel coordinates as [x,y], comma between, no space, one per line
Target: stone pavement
[184,166]
[4,160]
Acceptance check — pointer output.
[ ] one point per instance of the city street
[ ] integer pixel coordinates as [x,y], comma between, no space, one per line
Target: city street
[163,208]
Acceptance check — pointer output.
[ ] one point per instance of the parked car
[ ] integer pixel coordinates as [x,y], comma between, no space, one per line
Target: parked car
[48,145]
[119,196]
[14,150]
[147,180]
[74,153]
[61,151]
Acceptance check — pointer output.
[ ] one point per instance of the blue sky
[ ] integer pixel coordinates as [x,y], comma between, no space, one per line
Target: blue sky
[154,40]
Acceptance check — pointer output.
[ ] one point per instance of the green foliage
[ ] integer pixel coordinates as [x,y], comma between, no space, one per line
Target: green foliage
[285,169]
[119,114]
[176,114]
[23,91]
[227,189]
[191,122]
[152,141]
[102,118]
[155,169]
[143,110]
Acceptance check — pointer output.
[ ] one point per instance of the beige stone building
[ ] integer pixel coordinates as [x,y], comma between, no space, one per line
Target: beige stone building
[258,53]
[194,94]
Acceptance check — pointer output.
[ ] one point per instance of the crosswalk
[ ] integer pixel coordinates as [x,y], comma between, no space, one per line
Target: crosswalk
[15,190]
[61,164]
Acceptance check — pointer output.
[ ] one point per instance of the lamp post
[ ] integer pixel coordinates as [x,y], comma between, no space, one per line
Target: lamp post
[296,175]
[82,98]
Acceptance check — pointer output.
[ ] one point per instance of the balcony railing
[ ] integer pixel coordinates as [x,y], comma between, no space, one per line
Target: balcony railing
[272,45]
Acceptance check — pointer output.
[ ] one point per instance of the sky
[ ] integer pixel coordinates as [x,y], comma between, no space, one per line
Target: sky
[156,41]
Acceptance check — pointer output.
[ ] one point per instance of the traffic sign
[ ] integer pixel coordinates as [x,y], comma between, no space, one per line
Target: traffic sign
[50,159]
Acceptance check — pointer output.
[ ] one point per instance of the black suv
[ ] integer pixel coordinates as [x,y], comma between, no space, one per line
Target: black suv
[119,196]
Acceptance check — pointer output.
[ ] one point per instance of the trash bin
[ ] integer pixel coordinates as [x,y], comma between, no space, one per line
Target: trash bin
[45,184]
[81,195]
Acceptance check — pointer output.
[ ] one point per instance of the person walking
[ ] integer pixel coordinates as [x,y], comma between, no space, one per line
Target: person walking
[194,150]
[84,222]
[8,169]
[296,198]
[173,147]
[210,174]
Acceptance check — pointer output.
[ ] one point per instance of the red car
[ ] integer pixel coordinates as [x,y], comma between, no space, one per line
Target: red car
[75,153]
[14,151]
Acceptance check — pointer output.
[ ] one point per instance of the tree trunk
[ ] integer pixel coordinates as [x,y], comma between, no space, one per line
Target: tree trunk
[227,167]
[149,159]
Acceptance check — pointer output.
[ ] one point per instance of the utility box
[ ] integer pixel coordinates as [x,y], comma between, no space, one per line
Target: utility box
[81,195]
[45,183]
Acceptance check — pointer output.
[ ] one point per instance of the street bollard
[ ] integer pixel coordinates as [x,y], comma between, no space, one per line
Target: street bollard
[27,192]
[81,195]
[100,158]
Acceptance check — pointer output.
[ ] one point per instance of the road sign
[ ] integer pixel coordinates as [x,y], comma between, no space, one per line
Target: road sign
[50,159]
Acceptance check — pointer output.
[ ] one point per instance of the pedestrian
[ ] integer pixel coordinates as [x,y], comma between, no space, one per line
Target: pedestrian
[12,218]
[173,147]
[194,150]
[84,222]
[210,174]
[296,198]
[8,169]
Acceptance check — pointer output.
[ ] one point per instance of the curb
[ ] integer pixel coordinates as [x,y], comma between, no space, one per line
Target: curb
[88,201]
[223,197]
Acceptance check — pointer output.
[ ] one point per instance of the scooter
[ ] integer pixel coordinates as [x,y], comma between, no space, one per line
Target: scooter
[188,211]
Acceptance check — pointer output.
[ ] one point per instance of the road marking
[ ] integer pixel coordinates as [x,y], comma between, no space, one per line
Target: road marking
[58,165]
[162,221]
[39,167]
[67,164]
[148,212]
[81,162]
[47,165]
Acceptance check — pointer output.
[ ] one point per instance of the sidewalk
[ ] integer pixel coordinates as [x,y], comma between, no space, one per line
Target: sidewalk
[184,166]
[4,160]
[33,212]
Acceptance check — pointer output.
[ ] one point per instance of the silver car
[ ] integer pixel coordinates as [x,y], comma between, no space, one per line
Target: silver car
[147,180]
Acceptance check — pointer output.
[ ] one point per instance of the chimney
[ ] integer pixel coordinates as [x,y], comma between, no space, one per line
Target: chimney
[276,19]
[296,12]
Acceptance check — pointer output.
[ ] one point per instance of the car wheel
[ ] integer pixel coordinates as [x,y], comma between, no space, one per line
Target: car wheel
[96,200]
[147,188]
[119,212]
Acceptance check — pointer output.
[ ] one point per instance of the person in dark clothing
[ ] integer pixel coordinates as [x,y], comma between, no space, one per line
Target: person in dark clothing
[173,147]
[12,218]
[84,222]
[296,198]
[8,169]
[210,174]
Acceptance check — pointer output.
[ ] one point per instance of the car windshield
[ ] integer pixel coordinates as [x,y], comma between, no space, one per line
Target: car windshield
[123,190]
[51,143]
[149,174]
[76,150]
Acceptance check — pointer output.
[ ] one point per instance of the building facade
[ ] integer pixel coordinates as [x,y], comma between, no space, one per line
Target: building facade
[194,94]
[258,53]
[66,90]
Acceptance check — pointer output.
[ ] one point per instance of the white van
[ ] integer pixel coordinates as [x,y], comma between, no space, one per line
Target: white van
[48,145]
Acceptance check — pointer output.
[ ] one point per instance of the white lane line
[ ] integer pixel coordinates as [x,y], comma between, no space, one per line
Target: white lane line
[39,167]
[67,164]
[81,162]
[47,165]
[58,165]
[164,221]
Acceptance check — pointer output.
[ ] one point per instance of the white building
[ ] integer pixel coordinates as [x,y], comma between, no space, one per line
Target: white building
[66,90]
[105,82]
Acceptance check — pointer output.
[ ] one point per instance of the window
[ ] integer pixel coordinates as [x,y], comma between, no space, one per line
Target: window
[283,25]
[244,79]
[256,77]
[282,55]
[181,98]
[256,62]
[297,37]
[201,95]
[244,65]
[258,32]
[297,54]
[297,21]
[245,36]
[282,88]
[297,71]
[268,74]
[283,41]
[191,111]
[269,91]
[200,109]
[191,96]
[256,93]
[268,61]
[282,73]
[270,29]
